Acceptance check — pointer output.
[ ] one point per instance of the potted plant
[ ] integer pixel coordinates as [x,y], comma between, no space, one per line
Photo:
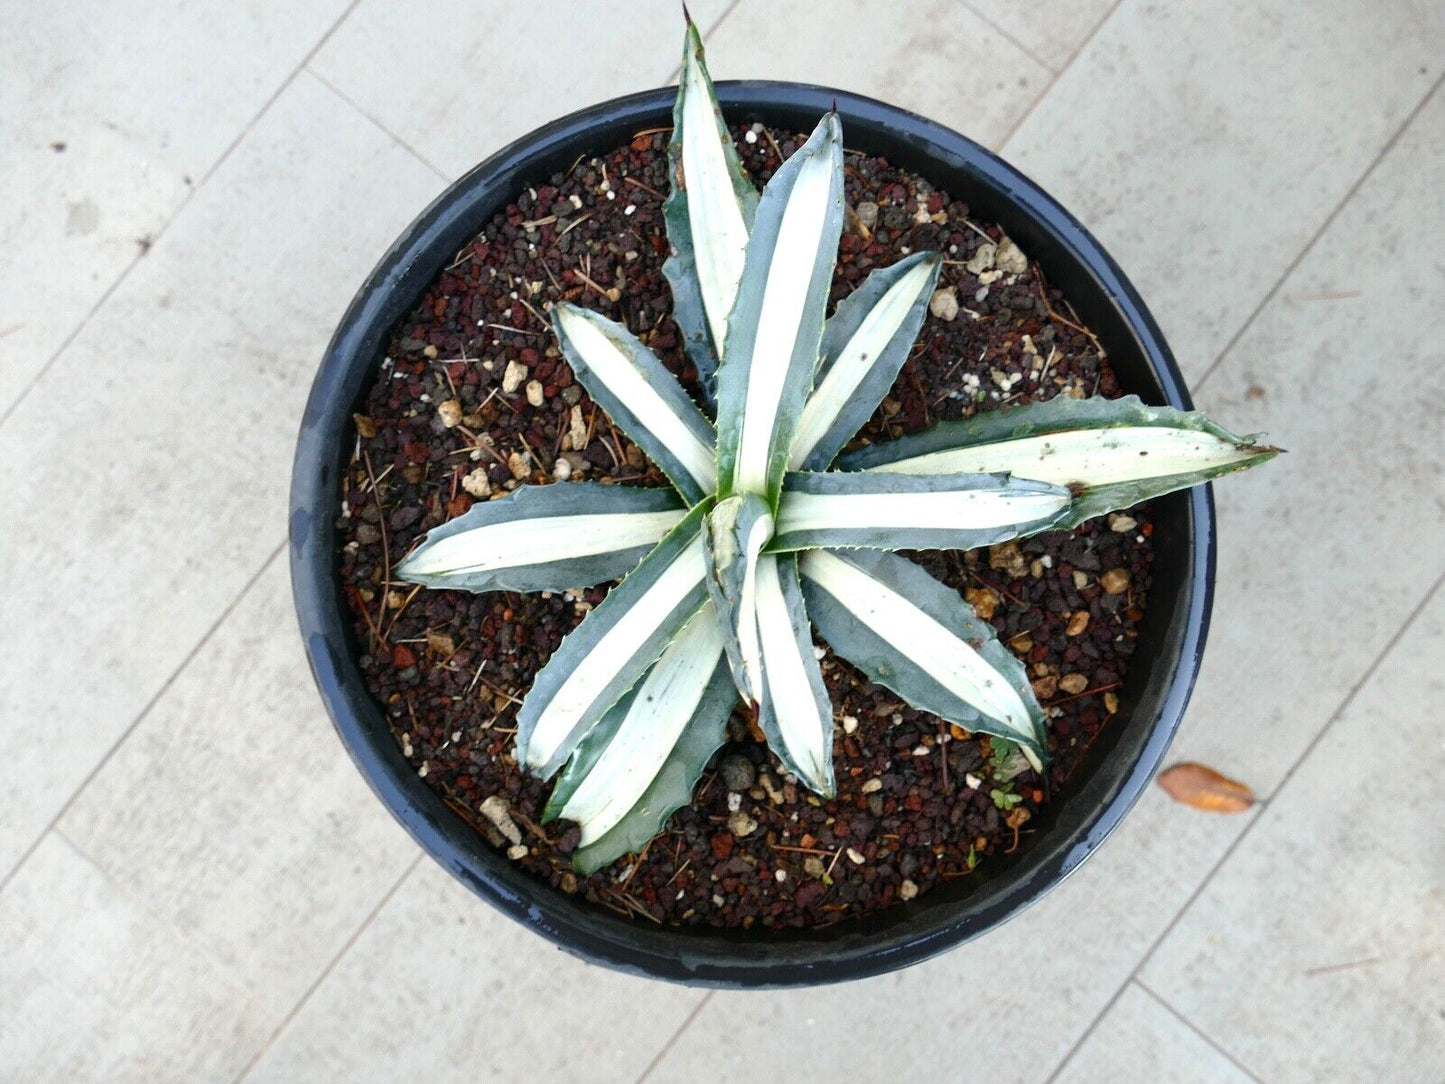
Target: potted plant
[638,503]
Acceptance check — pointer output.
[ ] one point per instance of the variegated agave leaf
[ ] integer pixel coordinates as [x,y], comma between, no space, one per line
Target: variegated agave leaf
[912,512]
[1112,452]
[615,644]
[708,213]
[629,382]
[909,632]
[544,538]
[865,343]
[737,530]
[644,758]
[794,713]
[777,322]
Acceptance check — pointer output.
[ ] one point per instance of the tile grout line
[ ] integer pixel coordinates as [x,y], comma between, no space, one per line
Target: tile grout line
[145,711]
[1020,46]
[155,238]
[413,151]
[658,1058]
[1192,1026]
[326,971]
[1314,742]
[382,128]
[1059,75]
[1324,228]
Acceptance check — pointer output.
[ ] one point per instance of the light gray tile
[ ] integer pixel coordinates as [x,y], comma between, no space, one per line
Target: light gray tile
[936,58]
[1325,551]
[1140,1039]
[1051,30]
[1004,1008]
[92,987]
[109,114]
[233,812]
[1205,143]
[459,82]
[147,472]
[441,988]
[1315,952]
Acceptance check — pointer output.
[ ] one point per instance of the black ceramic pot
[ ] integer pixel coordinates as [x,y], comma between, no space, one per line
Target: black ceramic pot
[1161,673]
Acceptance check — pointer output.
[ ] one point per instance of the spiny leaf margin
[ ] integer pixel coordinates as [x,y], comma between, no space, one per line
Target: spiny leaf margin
[1062,414]
[565,503]
[582,648]
[689,308]
[756,420]
[854,366]
[675,434]
[891,529]
[697,738]
[915,678]
[787,641]
[736,529]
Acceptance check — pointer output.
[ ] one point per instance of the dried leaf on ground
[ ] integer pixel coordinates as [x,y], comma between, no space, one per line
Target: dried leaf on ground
[1204,788]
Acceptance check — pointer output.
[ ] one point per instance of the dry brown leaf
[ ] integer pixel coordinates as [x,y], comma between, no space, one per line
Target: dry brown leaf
[1204,788]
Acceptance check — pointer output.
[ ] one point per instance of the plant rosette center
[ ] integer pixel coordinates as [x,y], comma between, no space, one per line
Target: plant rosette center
[772,531]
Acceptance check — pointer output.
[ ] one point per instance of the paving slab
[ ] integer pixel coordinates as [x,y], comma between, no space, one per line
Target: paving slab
[148,469]
[94,987]
[1316,952]
[232,811]
[442,988]
[1140,1038]
[459,82]
[940,59]
[1050,30]
[1327,550]
[110,114]
[1206,143]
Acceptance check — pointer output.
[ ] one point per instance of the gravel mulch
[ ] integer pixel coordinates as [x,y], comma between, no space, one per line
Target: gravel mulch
[472,399]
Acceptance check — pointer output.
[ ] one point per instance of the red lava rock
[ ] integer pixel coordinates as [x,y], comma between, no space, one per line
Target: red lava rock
[809,894]
[722,845]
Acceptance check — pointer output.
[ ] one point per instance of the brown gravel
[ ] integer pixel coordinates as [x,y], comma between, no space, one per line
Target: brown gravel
[472,399]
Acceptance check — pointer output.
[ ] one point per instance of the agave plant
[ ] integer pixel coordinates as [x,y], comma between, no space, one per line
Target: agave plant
[766,534]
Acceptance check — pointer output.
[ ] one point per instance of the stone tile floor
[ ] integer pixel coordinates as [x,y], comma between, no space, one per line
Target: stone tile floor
[194,884]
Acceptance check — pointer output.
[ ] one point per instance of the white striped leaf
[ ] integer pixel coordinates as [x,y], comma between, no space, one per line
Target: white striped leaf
[907,631]
[629,382]
[865,343]
[1113,453]
[795,713]
[737,530]
[643,759]
[613,646]
[545,538]
[708,212]
[776,324]
[912,512]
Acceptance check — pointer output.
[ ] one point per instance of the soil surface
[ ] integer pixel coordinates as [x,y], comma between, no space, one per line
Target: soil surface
[473,399]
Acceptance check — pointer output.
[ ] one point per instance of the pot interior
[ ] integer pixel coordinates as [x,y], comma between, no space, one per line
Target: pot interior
[1079,815]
